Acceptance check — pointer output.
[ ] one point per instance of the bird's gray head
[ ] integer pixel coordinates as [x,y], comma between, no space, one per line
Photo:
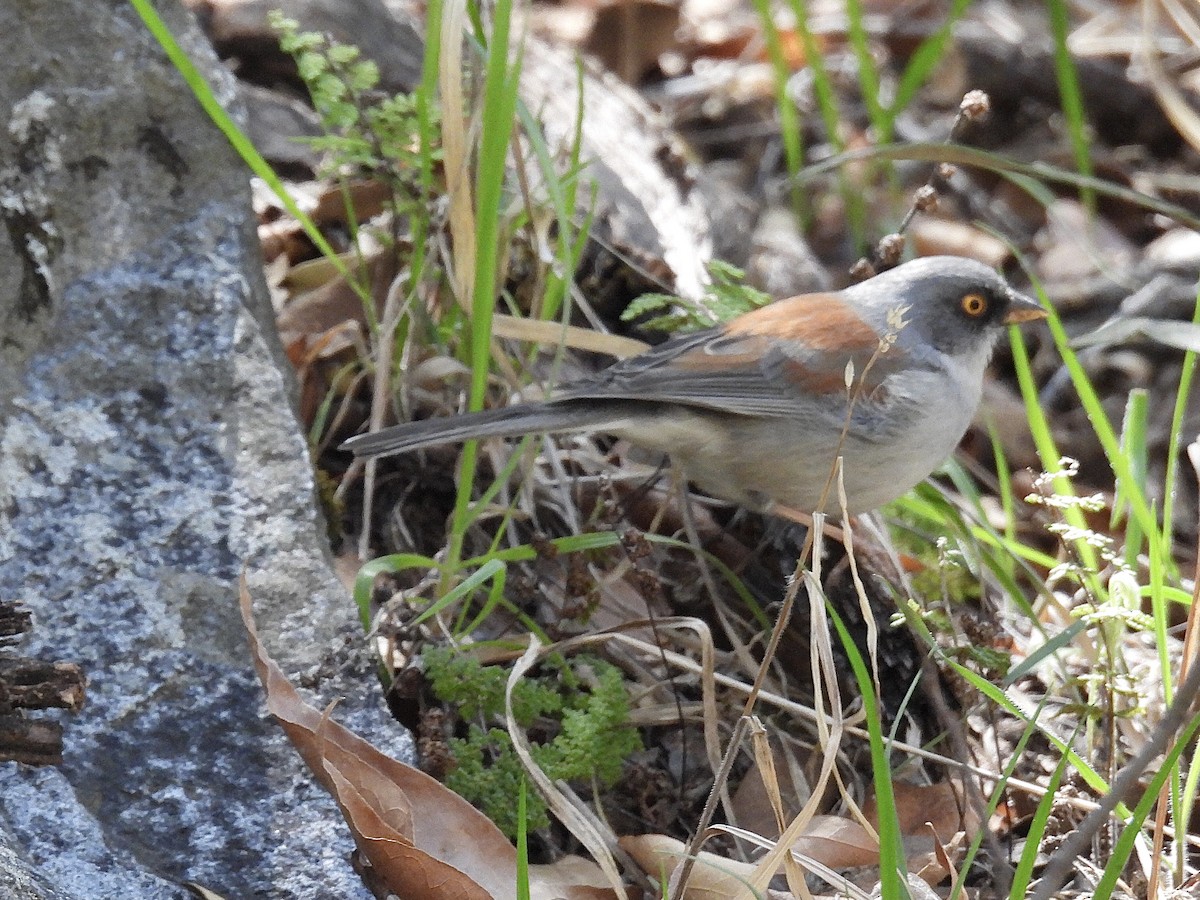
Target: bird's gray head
[950,304]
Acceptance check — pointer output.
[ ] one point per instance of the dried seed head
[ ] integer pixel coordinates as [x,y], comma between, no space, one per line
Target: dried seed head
[889,248]
[862,270]
[975,106]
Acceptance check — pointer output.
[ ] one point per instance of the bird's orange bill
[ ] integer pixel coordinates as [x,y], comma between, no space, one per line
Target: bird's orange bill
[1024,309]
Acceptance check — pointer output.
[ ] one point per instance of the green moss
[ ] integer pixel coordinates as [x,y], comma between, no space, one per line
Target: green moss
[489,774]
[579,704]
[478,690]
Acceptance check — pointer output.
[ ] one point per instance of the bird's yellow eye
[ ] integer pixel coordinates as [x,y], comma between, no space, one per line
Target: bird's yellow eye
[974,305]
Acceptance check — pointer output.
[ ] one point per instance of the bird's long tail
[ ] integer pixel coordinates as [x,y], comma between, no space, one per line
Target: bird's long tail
[508,421]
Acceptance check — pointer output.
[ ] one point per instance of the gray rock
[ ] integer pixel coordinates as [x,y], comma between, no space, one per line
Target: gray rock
[149,455]
[17,880]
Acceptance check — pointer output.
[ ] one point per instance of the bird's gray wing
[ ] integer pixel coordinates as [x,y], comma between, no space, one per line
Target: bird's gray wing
[742,374]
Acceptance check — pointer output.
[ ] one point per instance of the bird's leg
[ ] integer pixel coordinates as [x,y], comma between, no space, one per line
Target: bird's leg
[802,518]
[871,549]
[878,553]
[679,483]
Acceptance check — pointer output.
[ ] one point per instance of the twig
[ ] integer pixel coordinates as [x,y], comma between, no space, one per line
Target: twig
[975,107]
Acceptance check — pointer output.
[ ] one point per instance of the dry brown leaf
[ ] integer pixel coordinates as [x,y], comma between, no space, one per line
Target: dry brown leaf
[331,300]
[452,851]
[319,361]
[319,271]
[932,236]
[365,198]
[752,808]
[713,878]
[283,238]
[941,805]
[838,843]
[325,327]
[629,36]
[422,839]
[942,862]
[405,870]
[327,345]
[570,878]
[345,567]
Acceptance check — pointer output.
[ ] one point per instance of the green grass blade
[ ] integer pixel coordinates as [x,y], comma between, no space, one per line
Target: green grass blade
[922,63]
[1047,449]
[365,579]
[489,570]
[1046,651]
[1008,501]
[321,417]
[994,802]
[868,74]
[789,116]
[522,841]
[997,696]
[1188,795]
[1037,830]
[428,140]
[827,103]
[498,118]
[1071,95]
[1089,775]
[1134,445]
[892,865]
[1182,396]
[1103,429]
[1035,173]
[562,191]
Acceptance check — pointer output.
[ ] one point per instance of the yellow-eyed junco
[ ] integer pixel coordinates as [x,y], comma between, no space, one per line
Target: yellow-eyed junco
[757,410]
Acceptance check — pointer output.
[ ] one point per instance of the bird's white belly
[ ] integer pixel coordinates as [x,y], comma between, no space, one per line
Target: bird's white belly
[753,460]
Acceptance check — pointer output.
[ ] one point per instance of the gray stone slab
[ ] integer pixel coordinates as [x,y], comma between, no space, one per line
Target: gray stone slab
[148,455]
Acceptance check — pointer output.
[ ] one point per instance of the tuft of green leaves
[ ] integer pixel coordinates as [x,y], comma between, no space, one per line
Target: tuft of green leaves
[596,737]
[489,775]
[579,704]
[478,690]
[366,131]
[727,296]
